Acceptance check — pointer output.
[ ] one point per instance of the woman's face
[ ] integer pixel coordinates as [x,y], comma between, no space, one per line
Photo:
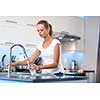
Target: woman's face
[42,31]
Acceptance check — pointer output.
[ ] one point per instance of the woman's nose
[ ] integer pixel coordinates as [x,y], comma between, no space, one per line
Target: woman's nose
[40,33]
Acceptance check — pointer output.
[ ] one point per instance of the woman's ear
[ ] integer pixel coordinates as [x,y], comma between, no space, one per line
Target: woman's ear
[48,29]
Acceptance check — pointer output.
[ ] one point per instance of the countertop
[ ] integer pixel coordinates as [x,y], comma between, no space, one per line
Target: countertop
[40,78]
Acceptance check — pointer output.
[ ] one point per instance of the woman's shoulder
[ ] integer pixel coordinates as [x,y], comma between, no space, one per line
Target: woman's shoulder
[56,41]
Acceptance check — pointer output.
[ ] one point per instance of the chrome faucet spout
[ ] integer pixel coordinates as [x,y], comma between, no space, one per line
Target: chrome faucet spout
[21,47]
[10,65]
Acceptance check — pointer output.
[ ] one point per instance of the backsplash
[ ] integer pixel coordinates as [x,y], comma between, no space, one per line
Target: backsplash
[67,61]
[68,57]
[15,53]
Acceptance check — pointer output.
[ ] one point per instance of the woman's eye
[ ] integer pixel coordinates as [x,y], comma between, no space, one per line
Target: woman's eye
[37,30]
[40,30]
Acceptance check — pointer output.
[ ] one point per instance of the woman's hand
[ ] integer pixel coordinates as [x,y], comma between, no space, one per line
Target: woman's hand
[12,64]
[36,67]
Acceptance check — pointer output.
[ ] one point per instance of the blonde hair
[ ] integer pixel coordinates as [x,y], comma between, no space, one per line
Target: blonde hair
[46,25]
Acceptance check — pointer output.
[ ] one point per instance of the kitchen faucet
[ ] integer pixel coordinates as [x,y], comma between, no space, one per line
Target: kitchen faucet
[2,60]
[10,66]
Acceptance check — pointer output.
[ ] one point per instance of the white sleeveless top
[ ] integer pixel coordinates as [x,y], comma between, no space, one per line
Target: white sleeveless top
[47,55]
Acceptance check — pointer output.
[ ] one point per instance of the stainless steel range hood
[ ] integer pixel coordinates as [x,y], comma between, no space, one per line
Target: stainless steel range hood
[65,36]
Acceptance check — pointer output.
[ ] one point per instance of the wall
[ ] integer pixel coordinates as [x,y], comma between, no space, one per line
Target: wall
[91,30]
[98,61]
[18,33]
[22,33]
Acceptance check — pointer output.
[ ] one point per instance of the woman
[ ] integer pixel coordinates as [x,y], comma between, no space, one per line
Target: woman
[49,50]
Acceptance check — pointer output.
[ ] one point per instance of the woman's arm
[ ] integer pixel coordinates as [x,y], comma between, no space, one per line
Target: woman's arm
[29,60]
[55,62]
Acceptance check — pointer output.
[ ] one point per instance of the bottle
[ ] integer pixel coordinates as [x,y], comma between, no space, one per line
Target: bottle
[73,64]
[76,66]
